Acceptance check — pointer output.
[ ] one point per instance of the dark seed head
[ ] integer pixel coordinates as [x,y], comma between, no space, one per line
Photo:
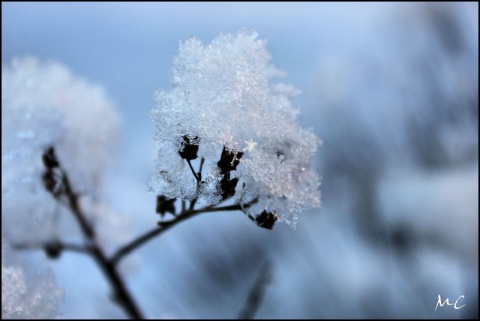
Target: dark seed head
[53,249]
[165,205]
[229,160]
[227,186]
[266,220]
[189,148]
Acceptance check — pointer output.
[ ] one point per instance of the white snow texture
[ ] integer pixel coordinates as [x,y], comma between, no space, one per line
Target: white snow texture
[223,93]
[44,105]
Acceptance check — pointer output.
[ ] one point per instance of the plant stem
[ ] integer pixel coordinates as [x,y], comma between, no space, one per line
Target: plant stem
[76,210]
[122,296]
[198,177]
[193,171]
[64,247]
[164,226]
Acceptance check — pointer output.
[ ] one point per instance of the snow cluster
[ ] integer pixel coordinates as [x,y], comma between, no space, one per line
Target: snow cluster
[224,97]
[44,105]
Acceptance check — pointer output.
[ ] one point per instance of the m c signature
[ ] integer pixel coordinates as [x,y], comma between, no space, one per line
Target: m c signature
[447,302]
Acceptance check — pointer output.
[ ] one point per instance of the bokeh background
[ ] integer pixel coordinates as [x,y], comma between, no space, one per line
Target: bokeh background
[390,88]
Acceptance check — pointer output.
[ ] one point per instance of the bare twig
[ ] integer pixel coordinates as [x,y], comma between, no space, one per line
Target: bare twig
[64,246]
[121,293]
[75,208]
[165,225]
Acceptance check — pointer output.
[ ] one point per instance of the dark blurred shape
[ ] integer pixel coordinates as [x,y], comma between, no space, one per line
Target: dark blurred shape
[450,79]
[49,159]
[402,239]
[471,311]
[53,249]
[257,292]
[448,31]
[165,205]
[52,177]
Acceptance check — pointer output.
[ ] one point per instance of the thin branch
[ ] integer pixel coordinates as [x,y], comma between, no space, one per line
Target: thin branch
[192,204]
[122,296]
[64,246]
[200,169]
[75,207]
[124,250]
[193,171]
[198,177]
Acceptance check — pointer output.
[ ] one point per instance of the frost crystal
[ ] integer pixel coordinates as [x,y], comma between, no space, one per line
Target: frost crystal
[244,126]
[44,106]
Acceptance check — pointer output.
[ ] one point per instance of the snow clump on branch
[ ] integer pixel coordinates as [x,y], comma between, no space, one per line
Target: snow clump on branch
[225,106]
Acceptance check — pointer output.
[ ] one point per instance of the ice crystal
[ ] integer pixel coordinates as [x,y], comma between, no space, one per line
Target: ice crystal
[244,126]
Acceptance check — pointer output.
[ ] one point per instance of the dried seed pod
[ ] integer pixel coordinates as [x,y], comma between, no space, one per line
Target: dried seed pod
[266,219]
[189,149]
[165,205]
[227,186]
[229,160]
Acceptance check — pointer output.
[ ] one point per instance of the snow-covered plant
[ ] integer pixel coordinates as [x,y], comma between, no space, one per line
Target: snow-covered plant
[225,108]
[44,106]
[57,134]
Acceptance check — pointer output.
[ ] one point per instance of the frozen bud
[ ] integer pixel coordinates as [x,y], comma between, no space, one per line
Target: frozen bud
[189,148]
[266,220]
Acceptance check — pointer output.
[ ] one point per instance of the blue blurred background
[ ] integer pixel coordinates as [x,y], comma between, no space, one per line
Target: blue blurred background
[391,89]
